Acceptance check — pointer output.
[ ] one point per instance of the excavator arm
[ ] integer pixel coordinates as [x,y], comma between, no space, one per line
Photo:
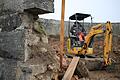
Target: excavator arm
[108,43]
[99,29]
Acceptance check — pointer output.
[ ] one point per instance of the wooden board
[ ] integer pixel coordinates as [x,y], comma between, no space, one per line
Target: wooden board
[70,70]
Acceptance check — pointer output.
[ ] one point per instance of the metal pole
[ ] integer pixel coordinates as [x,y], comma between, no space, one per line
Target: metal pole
[91,21]
[69,28]
[62,33]
[83,22]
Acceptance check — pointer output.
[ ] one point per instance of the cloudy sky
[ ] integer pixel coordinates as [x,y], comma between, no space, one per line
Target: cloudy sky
[101,10]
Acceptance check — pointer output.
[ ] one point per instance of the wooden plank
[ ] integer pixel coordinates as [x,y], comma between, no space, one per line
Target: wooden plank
[70,70]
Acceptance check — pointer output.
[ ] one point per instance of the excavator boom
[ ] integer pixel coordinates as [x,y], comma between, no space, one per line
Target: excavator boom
[107,43]
[99,29]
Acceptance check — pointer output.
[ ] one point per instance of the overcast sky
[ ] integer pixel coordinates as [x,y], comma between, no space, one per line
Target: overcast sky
[101,10]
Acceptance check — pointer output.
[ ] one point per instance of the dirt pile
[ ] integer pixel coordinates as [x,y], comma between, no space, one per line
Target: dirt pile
[116,49]
[108,73]
[44,56]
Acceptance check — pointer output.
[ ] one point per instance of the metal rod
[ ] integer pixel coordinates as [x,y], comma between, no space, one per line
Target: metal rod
[83,22]
[69,28]
[62,33]
[91,21]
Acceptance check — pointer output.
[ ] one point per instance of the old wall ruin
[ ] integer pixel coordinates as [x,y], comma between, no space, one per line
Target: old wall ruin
[17,19]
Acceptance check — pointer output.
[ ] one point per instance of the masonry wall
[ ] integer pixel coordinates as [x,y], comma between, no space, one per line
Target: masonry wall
[17,19]
[52,27]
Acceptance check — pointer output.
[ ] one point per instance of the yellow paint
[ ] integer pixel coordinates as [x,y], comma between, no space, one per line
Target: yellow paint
[76,50]
[95,30]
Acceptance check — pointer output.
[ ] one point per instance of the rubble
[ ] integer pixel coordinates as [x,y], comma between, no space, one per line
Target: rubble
[95,65]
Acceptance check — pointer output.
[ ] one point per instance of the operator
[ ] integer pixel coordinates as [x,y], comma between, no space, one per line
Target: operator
[81,37]
[78,31]
[81,33]
[77,27]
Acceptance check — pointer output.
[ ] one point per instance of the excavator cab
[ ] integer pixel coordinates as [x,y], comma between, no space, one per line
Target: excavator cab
[77,33]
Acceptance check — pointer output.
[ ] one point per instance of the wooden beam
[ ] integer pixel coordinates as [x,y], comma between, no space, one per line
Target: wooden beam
[70,71]
[62,33]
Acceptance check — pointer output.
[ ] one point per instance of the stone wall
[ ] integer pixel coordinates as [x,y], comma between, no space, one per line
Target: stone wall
[17,19]
[12,12]
[32,6]
[8,69]
[52,27]
[12,45]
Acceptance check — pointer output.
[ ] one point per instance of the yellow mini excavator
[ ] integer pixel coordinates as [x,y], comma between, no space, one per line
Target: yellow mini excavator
[80,42]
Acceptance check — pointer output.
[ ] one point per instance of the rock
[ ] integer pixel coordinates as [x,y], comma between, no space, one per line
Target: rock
[10,22]
[0,29]
[38,68]
[38,26]
[8,69]
[21,14]
[12,45]
[34,71]
[31,6]
[32,39]
[93,64]
[16,21]
[82,70]
[27,70]
[45,39]
[1,58]
[16,45]
[43,50]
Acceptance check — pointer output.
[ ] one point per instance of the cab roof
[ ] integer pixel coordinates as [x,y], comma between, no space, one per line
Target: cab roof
[79,16]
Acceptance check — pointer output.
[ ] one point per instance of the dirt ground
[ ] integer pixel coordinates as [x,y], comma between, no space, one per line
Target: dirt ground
[110,73]
[48,55]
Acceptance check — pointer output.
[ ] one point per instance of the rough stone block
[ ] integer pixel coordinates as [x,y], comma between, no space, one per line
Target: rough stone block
[14,21]
[12,45]
[8,70]
[10,22]
[16,70]
[93,64]
[17,44]
[32,6]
